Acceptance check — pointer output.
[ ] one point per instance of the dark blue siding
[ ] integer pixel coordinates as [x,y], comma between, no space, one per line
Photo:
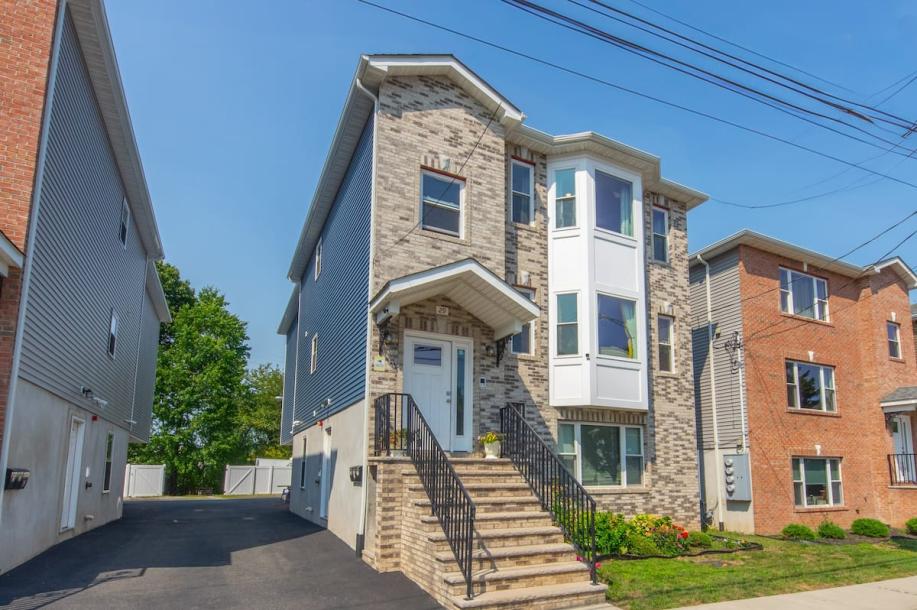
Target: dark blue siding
[335,307]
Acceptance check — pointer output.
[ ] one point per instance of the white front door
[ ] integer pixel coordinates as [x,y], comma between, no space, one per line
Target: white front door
[904,449]
[71,493]
[438,375]
[325,474]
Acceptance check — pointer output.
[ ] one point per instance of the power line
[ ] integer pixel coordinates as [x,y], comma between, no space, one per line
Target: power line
[898,90]
[635,92]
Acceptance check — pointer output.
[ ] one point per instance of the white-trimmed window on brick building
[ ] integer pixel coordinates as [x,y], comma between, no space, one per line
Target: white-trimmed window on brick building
[524,341]
[665,333]
[894,339]
[660,235]
[804,295]
[817,482]
[441,203]
[522,191]
[810,386]
[602,455]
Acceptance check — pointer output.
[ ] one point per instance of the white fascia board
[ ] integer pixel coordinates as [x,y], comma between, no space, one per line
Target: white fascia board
[10,256]
[157,294]
[906,273]
[290,312]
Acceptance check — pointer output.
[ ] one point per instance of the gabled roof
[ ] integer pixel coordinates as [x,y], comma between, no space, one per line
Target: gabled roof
[95,41]
[747,237]
[372,70]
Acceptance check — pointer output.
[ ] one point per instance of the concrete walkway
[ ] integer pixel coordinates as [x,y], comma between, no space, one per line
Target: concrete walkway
[897,594]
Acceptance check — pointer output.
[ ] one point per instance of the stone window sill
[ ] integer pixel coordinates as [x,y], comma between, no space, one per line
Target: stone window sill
[614,490]
[820,509]
[813,412]
[793,316]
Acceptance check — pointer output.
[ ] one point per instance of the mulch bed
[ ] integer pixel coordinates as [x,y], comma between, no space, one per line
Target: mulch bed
[741,545]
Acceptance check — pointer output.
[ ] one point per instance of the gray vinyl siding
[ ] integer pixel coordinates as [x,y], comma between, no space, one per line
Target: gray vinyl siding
[146,370]
[336,306]
[79,269]
[289,383]
[727,319]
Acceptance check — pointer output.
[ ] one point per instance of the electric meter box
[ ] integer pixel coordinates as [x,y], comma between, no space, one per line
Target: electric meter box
[736,477]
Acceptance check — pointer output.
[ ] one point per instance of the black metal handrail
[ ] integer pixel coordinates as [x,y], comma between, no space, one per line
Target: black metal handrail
[400,426]
[570,505]
[902,468]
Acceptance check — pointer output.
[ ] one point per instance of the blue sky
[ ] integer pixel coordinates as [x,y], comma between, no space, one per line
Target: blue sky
[234,104]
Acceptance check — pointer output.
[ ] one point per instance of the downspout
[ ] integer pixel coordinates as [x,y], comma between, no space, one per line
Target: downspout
[31,230]
[716,433]
[364,498]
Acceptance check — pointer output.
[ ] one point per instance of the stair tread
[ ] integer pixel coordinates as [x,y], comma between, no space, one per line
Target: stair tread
[512,551]
[491,500]
[490,574]
[515,596]
[498,516]
[548,530]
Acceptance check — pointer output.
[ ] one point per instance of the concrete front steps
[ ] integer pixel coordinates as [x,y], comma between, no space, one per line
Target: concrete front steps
[520,559]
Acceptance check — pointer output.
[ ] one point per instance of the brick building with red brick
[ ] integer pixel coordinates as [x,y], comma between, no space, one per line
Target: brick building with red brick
[805,375]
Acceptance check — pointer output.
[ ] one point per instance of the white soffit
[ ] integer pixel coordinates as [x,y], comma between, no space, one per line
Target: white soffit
[10,256]
[469,285]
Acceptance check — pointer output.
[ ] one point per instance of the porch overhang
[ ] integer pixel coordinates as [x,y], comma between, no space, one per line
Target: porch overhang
[10,256]
[902,400]
[467,283]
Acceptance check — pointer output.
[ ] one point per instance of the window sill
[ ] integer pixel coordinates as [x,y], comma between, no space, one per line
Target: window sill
[897,360]
[667,374]
[105,492]
[565,229]
[627,239]
[433,234]
[659,263]
[525,357]
[793,316]
[528,227]
[906,487]
[614,490]
[820,509]
[813,412]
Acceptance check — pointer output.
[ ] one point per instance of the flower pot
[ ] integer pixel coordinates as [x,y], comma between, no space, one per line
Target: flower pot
[492,450]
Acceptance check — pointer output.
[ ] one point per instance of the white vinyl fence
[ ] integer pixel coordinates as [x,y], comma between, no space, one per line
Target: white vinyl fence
[144,480]
[252,480]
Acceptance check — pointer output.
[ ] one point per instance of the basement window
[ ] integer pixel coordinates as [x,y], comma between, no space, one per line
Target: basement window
[817,482]
[600,455]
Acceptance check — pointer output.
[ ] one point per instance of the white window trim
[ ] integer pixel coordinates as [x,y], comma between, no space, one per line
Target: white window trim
[313,354]
[531,193]
[609,171]
[461,210]
[558,324]
[896,341]
[622,297]
[109,459]
[124,220]
[830,486]
[791,309]
[665,213]
[302,465]
[317,271]
[622,442]
[530,292]
[822,387]
[577,197]
[671,343]
[112,332]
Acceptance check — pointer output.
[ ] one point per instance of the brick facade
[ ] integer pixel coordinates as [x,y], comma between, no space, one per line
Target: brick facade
[854,343]
[26,36]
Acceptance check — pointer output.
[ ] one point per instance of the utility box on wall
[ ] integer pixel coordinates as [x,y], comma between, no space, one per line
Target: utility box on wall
[736,477]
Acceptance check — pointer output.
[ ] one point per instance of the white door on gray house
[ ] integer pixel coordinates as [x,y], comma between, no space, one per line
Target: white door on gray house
[438,374]
[72,478]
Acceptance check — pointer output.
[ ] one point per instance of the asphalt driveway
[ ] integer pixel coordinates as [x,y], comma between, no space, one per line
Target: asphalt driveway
[239,553]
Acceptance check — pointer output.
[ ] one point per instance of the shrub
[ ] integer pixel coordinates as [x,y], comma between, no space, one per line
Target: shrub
[611,532]
[829,529]
[641,545]
[699,539]
[911,526]
[869,527]
[798,531]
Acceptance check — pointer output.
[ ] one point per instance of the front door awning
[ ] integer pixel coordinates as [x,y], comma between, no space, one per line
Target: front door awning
[902,400]
[469,285]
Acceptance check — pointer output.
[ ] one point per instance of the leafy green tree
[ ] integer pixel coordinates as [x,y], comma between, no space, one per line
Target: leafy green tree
[199,388]
[260,417]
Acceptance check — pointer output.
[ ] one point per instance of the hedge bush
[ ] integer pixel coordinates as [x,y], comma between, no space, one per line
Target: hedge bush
[869,527]
[829,529]
[798,531]
[911,526]
[700,539]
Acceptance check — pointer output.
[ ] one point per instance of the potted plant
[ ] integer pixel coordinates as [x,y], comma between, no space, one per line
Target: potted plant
[492,445]
[397,442]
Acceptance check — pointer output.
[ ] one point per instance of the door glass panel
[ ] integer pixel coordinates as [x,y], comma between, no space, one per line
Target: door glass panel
[428,355]
[459,392]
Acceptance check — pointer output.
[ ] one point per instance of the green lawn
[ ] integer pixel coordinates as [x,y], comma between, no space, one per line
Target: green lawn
[782,567]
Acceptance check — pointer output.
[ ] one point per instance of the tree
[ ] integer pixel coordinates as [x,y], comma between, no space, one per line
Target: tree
[260,417]
[199,388]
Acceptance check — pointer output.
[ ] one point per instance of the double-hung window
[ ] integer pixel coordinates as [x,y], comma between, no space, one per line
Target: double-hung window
[302,466]
[313,356]
[522,342]
[894,339]
[810,386]
[665,326]
[567,335]
[614,204]
[113,334]
[817,482]
[124,222]
[109,451]
[617,327]
[661,235]
[522,187]
[565,198]
[803,295]
[318,258]
[602,455]
[441,203]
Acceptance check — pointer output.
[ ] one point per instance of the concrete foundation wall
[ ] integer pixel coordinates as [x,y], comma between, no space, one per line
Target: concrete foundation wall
[39,442]
[347,450]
